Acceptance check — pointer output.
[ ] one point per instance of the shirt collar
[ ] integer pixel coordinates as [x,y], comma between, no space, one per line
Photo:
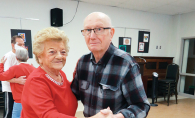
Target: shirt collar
[22,63]
[104,60]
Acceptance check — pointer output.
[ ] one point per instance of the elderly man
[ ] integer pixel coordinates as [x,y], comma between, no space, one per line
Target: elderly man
[108,77]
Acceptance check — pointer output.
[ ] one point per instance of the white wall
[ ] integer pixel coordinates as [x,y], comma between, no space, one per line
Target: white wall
[184,27]
[160,26]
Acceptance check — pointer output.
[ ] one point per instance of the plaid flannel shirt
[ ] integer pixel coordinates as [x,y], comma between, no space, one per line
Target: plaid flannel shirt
[115,82]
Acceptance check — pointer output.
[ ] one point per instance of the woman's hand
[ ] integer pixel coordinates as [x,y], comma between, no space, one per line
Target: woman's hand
[105,113]
[3,60]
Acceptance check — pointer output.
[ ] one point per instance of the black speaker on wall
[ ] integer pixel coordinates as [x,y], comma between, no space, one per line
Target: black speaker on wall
[56,17]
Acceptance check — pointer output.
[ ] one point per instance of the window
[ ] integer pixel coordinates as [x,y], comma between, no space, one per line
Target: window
[187,75]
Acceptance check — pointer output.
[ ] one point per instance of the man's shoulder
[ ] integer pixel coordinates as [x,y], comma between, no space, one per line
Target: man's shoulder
[124,56]
[10,54]
[85,57]
[11,60]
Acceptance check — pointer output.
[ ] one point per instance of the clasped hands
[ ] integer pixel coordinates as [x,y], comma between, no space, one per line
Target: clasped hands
[107,113]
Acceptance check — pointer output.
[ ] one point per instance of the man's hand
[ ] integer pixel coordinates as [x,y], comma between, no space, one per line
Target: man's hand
[108,113]
[102,114]
[19,80]
[3,60]
[99,115]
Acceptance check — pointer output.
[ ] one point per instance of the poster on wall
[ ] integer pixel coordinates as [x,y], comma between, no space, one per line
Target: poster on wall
[126,41]
[26,35]
[125,44]
[141,46]
[143,42]
[23,36]
[146,36]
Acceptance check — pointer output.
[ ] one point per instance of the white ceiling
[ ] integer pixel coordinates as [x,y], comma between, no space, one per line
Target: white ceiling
[170,7]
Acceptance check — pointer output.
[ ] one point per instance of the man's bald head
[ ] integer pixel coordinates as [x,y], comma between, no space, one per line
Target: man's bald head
[98,42]
[98,16]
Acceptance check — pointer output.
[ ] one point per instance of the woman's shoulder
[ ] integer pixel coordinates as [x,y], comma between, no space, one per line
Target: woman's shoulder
[37,73]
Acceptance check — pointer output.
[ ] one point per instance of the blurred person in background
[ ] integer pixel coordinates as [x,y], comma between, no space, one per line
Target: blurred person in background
[16,42]
[22,69]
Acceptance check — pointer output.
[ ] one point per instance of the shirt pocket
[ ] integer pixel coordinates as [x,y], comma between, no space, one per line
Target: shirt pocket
[84,85]
[109,91]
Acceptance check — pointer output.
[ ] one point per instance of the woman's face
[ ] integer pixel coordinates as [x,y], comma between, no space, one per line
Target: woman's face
[54,55]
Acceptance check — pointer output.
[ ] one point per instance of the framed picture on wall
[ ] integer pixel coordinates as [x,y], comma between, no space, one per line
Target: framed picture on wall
[146,37]
[126,41]
[125,44]
[141,46]
[122,47]
[143,42]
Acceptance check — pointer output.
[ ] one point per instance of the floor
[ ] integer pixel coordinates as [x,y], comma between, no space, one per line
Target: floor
[184,109]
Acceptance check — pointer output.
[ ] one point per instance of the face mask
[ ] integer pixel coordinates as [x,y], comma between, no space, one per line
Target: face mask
[17,46]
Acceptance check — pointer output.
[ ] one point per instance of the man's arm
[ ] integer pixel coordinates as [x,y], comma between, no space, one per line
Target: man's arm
[75,83]
[9,75]
[134,93]
[19,80]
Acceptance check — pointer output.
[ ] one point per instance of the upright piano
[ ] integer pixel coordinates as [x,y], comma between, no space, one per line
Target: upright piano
[150,64]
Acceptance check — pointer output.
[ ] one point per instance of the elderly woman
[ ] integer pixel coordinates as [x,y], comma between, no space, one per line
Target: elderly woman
[23,69]
[47,92]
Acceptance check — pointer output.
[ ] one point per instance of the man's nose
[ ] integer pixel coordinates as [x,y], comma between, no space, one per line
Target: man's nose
[92,35]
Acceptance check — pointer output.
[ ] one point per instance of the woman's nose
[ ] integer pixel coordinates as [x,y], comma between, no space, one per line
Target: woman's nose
[59,55]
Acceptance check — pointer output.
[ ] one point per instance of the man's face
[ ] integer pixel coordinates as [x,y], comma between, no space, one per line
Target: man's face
[98,43]
[20,42]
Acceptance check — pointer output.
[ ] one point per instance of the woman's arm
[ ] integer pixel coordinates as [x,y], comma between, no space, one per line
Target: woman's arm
[6,76]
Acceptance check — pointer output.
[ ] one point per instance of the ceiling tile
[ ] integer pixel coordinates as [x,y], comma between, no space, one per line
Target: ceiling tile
[184,3]
[163,2]
[105,2]
[169,9]
[140,4]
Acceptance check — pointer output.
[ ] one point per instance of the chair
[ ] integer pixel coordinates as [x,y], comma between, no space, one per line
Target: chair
[168,86]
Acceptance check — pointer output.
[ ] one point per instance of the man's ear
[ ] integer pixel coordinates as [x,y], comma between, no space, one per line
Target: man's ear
[12,45]
[112,31]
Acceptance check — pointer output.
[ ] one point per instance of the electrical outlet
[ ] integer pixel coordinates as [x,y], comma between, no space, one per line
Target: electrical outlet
[156,47]
[160,47]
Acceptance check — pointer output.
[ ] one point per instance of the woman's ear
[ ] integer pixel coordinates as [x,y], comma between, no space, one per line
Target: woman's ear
[40,60]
